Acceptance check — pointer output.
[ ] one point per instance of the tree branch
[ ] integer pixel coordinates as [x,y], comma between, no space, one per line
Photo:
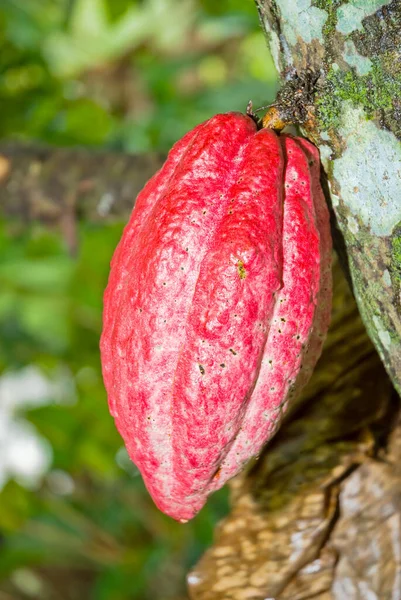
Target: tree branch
[53,185]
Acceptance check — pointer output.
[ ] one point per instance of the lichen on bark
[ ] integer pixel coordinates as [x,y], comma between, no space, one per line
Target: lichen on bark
[356,123]
[295,532]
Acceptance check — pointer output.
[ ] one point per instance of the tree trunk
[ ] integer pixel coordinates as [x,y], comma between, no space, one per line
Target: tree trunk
[355,120]
[318,516]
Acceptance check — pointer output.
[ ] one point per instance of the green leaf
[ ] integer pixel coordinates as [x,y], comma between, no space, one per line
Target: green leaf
[92,39]
[50,274]
[89,19]
[87,121]
[46,319]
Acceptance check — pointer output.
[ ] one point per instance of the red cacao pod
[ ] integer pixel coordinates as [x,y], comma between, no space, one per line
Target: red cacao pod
[217,304]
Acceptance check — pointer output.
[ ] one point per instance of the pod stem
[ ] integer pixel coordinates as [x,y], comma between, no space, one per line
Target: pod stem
[294,104]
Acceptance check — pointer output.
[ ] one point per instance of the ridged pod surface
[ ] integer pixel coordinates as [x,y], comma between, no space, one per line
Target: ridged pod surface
[217,305]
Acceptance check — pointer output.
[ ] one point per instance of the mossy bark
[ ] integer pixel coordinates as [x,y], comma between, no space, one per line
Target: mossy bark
[318,515]
[355,120]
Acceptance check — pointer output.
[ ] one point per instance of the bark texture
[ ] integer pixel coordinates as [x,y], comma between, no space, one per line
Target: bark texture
[354,117]
[318,516]
[56,185]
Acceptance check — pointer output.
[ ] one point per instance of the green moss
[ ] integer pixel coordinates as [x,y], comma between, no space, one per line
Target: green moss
[372,309]
[373,92]
[396,255]
[330,6]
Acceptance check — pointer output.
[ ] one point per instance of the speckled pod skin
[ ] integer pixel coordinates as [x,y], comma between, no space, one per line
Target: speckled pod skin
[217,305]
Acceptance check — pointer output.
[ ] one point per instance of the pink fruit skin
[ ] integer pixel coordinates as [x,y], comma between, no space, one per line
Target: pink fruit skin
[218,287]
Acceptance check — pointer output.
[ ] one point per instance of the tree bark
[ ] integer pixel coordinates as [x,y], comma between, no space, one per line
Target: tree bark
[57,186]
[355,120]
[318,515]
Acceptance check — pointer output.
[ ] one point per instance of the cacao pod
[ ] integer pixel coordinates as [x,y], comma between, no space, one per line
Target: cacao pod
[217,304]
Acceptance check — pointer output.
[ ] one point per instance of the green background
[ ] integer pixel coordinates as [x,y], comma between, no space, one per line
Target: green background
[119,75]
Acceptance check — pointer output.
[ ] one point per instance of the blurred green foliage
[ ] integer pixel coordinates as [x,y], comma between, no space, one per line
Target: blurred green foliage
[127,75]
